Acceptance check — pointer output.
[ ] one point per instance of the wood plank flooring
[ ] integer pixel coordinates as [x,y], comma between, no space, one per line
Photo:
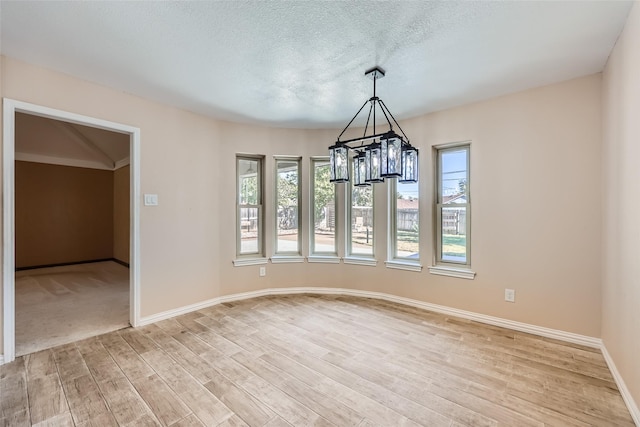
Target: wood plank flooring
[308,360]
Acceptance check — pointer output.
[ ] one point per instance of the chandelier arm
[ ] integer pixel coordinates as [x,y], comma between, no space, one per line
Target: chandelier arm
[354,117]
[384,111]
[360,139]
[395,121]
[373,103]
[367,125]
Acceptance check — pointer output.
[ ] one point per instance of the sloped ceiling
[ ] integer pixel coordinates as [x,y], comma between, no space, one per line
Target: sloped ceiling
[301,64]
[38,139]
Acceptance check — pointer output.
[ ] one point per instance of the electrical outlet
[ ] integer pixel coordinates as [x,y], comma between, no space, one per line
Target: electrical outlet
[510,295]
[263,271]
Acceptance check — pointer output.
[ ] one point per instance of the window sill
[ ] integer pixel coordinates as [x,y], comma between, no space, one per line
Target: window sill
[360,261]
[240,262]
[283,259]
[404,265]
[461,273]
[329,259]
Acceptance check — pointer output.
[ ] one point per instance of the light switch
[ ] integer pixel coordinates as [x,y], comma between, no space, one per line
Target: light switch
[151,200]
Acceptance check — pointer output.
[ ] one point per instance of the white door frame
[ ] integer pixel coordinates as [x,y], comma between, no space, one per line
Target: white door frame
[8,210]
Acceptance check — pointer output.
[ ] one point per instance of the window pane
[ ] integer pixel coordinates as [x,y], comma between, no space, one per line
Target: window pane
[453,178]
[453,205]
[248,185]
[249,210]
[454,234]
[407,230]
[249,229]
[361,220]
[324,213]
[287,207]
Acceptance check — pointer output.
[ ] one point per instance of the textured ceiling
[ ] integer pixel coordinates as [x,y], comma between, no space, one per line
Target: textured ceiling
[301,64]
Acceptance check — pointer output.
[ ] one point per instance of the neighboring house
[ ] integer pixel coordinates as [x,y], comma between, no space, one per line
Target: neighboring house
[407,204]
[455,198]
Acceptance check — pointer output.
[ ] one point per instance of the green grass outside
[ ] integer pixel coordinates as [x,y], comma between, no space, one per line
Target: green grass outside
[408,241]
[408,236]
[454,245]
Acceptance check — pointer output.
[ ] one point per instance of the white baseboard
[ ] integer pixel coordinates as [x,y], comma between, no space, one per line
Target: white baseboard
[200,305]
[496,321]
[482,318]
[624,391]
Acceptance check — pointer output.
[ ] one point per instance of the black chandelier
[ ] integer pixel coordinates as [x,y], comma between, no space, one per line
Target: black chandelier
[388,155]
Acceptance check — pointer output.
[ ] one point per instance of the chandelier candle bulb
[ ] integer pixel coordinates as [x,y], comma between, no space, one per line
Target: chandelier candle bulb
[409,164]
[339,163]
[372,161]
[391,155]
[360,170]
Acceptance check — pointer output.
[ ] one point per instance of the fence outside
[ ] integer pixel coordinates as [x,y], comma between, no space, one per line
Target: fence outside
[248,220]
[454,221]
[362,216]
[407,219]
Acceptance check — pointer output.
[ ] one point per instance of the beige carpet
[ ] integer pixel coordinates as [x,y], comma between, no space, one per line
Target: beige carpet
[59,305]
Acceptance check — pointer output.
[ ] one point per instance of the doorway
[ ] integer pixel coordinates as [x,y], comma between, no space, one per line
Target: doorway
[70,123]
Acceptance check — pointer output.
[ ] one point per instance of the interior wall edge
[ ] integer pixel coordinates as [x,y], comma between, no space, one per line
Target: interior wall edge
[62,264]
[622,386]
[620,231]
[121,262]
[60,161]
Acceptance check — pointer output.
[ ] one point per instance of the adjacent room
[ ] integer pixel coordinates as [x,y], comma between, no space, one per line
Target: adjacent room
[288,213]
[72,232]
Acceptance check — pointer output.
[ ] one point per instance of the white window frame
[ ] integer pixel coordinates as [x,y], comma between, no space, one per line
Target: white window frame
[320,256]
[247,258]
[280,255]
[450,265]
[394,261]
[358,258]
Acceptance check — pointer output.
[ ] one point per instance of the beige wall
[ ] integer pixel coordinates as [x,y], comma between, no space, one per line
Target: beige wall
[621,207]
[536,200]
[535,173]
[121,202]
[62,214]
[178,161]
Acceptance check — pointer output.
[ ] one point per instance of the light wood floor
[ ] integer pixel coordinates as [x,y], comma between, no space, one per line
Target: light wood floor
[312,360]
[59,305]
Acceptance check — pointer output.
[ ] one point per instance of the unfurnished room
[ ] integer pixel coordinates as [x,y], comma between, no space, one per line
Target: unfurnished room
[320,213]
